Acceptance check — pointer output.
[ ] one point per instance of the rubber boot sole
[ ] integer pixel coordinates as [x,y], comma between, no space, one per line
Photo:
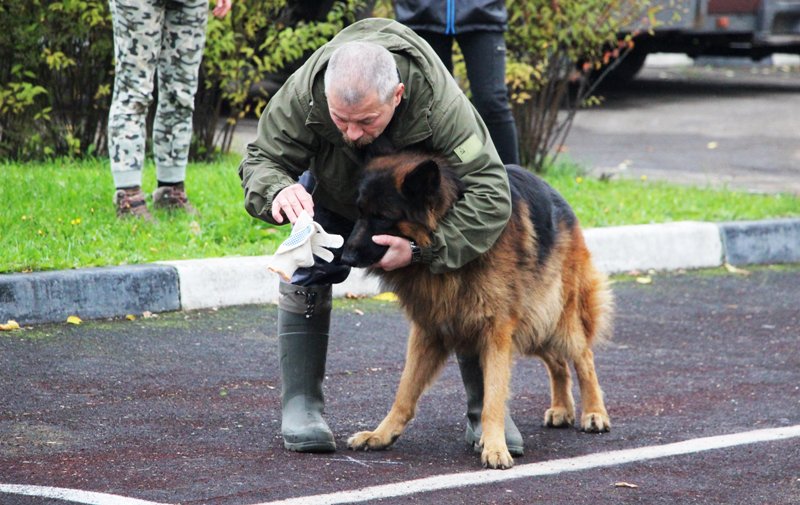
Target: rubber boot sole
[310,446]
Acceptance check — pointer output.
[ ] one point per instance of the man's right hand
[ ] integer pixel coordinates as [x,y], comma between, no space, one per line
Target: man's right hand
[290,202]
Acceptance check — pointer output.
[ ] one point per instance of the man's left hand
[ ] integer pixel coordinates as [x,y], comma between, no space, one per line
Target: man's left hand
[398,255]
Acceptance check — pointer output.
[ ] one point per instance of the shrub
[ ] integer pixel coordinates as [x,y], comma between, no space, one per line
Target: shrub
[55,77]
[553,48]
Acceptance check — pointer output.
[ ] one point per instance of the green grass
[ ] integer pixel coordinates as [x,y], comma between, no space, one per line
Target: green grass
[626,201]
[59,214]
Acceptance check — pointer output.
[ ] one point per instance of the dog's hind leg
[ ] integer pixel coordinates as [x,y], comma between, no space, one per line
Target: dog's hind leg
[594,417]
[496,362]
[561,413]
[424,360]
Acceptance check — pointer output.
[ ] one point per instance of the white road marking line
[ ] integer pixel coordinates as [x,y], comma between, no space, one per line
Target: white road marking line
[73,495]
[448,481]
[553,467]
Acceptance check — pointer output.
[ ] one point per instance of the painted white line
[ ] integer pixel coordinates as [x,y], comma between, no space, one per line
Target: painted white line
[448,481]
[544,468]
[73,495]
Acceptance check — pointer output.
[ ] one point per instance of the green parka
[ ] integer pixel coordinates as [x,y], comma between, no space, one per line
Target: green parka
[296,133]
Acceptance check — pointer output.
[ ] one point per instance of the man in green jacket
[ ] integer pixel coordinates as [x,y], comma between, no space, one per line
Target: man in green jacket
[375,88]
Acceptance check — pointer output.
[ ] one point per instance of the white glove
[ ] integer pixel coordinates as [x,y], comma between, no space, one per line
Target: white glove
[322,239]
[306,240]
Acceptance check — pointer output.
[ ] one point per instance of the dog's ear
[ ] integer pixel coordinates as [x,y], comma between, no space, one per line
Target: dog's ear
[422,182]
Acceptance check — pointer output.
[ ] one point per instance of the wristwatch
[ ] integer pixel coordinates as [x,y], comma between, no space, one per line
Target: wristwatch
[416,252]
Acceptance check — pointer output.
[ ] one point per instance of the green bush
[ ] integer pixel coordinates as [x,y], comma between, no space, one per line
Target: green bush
[553,48]
[56,76]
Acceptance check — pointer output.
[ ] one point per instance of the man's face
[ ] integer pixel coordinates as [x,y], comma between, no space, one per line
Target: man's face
[363,122]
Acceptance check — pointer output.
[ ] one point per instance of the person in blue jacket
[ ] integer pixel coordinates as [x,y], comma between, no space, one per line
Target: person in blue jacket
[478,26]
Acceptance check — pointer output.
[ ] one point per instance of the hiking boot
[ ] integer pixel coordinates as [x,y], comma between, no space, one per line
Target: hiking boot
[130,203]
[172,197]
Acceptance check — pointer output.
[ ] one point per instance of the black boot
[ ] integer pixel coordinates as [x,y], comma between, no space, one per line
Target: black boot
[304,316]
[472,375]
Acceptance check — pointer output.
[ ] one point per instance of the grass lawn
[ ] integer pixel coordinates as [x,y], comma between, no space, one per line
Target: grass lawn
[60,214]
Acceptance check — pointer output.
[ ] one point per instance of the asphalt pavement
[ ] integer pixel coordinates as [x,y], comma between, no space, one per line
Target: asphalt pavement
[732,126]
[184,408]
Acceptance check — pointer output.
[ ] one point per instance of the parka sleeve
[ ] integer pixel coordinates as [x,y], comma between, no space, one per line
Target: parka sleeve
[476,221]
[281,152]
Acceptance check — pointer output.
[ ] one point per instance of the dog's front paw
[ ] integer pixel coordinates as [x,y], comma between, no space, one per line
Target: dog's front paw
[595,422]
[368,441]
[498,459]
[559,417]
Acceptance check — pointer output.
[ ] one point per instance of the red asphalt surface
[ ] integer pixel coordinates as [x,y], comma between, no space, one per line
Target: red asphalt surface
[185,408]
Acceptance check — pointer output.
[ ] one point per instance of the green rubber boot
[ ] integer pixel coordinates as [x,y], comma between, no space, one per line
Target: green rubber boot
[304,316]
[472,375]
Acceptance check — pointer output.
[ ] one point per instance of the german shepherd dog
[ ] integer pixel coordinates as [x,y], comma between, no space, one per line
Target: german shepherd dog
[535,292]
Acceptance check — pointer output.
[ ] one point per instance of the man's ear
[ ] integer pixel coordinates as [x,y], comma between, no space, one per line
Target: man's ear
[422,182]
[398,94]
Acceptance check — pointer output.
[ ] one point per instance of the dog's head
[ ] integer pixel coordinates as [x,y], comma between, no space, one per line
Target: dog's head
[400,194]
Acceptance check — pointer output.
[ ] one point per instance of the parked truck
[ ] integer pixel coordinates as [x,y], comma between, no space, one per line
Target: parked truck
[745,28]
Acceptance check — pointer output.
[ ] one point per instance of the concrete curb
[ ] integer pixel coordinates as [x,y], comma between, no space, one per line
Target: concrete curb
[43,297]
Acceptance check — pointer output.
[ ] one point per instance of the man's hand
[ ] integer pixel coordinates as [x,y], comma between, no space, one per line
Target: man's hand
[222,8]
[291,201]
[398,255]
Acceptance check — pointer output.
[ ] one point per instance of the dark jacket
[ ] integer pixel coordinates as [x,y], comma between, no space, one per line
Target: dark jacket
[296,133]
[452,16]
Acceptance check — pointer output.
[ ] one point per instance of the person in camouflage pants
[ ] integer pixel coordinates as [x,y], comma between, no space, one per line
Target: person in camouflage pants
[167,37]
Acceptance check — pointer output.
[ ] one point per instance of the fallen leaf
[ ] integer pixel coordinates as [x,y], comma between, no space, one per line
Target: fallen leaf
[359,312]
[74,320]
[646,279]
[732,269]
[387,296]
[712,145]
[9,326]
[130,317]
[625,484]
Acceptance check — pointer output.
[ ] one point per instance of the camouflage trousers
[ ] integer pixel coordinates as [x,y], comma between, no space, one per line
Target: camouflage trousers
[154,36]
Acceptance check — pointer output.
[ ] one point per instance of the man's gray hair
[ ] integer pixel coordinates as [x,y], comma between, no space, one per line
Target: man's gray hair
[357,69]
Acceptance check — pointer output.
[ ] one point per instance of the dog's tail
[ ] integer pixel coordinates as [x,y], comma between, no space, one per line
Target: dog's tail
[595,299]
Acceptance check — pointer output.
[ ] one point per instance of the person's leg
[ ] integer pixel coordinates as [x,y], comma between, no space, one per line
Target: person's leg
[178,68]
[136,50]
[485,58]
[304,316]
[442,46]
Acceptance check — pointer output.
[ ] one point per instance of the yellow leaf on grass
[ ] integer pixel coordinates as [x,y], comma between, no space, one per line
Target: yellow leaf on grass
[646,279]
[10,325]
[387,296]
[130,317]
[74,320]
[732,269]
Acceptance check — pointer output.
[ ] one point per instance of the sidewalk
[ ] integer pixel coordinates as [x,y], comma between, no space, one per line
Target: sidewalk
[92,293]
